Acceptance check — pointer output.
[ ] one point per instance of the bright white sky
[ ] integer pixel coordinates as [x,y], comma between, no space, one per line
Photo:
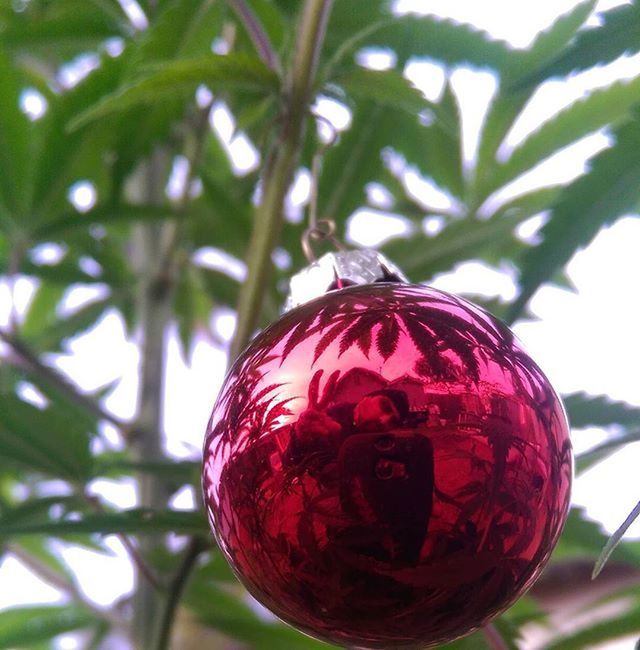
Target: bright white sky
[584,341]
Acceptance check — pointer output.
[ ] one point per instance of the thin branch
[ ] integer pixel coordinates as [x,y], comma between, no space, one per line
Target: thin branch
[59,381]
[59,582]
[129,545]
[280,169]
[494,638]
[196,546]
[256,32]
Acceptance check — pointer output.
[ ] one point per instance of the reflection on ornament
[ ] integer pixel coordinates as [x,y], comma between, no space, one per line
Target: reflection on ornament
[385,467]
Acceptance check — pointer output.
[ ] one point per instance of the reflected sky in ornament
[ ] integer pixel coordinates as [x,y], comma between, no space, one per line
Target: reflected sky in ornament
[386,467]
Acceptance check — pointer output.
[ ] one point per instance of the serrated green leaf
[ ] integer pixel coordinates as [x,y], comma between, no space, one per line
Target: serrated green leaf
[434,38]
[531,203]
[599,411]
[137,521]
[43,440]
[609,190]
[182,77]
[462,239]
[618,34]
[384,87]
[435,150]
[551,41]
[510,99]
[25,626]
[607,106]
[502,113]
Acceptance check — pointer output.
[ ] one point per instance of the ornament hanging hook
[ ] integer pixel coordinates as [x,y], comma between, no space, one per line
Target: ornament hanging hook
[323,229]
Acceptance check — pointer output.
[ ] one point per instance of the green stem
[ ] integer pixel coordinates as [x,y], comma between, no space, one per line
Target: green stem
[154,301]
[196,546]
[256,32]
[280,169]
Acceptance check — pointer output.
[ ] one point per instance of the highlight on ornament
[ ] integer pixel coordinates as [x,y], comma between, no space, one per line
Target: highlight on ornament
[385,466]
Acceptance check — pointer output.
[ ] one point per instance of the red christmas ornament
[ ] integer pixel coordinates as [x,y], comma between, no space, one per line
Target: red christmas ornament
[385,467]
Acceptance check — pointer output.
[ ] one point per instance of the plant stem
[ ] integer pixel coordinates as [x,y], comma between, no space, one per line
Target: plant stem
[127,542]
[196,546]
[154,301]
[494,638]
[60,582]
[256,32]
[280,169]
[58,381]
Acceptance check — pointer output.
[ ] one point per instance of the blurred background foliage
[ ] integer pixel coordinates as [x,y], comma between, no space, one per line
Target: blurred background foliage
[108,157]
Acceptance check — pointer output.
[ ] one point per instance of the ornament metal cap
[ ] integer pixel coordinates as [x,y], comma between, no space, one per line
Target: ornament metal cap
[362,266]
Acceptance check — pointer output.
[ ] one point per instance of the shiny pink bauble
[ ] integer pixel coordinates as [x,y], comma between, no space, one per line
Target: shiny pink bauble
[386,467]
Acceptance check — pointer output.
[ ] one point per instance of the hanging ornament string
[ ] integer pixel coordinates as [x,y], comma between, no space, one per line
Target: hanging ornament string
[319,229]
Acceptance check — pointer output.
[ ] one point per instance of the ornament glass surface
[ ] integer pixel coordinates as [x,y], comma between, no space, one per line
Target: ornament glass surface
[385,467]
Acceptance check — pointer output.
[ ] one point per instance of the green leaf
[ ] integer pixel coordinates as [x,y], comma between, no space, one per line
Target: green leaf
[600,452]
[424,36]
[42,309]
[234,617]
[436,150]
[220,72]
[137,521]
[462,239]
[106,215]
[68,27]
[582,536]
[43,440]
[607,106]
[26,626]
[511,99]
[609,190]
[551,41]
[221,288]
[614,540]
[36,547]
[33,510]
[14,142]
[54,334]
[613,627]
[184,472]
[65,157]
[183,28]
[599,411]
[618,34]
[192,306]
[355,161]
[384,87]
